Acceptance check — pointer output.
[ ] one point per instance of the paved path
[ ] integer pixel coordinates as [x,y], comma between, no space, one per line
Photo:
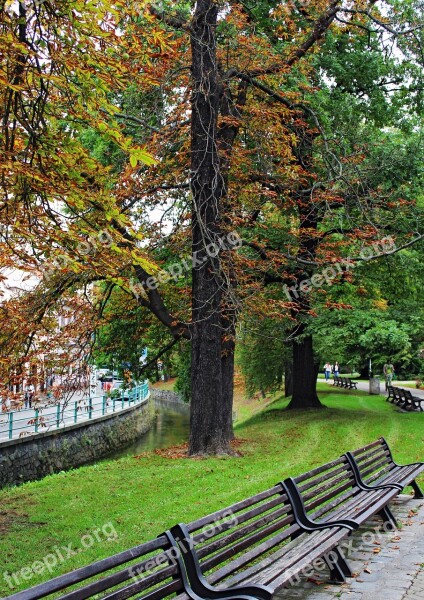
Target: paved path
[364,386]
[76,410]
[386,565]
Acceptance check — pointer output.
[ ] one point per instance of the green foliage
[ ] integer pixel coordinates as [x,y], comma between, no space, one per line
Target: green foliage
[182,363]
[385,320]
[261,354]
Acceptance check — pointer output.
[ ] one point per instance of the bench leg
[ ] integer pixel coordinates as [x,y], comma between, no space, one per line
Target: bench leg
[417,490]
[388,518]
[339,569]
[342,563]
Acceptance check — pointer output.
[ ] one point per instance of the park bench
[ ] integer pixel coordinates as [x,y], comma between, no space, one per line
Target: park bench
[335,491]
[404,398]
[392,394]
[345,382]
[251,549]
[411,402]
[256,539]
[260,542]
[256,549]
[152,571]
[375,466]
[352,385]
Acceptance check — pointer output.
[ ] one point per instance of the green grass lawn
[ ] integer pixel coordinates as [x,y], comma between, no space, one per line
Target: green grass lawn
[140,498]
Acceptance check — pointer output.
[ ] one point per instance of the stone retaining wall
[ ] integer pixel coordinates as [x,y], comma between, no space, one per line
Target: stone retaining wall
[50,452]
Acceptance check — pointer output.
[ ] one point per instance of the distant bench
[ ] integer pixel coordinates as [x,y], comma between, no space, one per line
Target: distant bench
[255,547]
[404,398]
[345,382]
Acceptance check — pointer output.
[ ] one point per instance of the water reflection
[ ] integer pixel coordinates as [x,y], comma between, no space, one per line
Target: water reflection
[169,428]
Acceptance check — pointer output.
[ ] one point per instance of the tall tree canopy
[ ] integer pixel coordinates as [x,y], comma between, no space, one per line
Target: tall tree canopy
[236,105]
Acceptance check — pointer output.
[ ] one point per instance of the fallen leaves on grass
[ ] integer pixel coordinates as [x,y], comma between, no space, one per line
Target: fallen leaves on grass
[181,450]
[11,518]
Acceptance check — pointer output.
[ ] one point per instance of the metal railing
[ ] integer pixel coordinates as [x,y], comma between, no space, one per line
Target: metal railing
[26,422]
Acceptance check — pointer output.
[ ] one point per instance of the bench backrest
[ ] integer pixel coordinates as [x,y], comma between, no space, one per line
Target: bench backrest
[148,571]
[233,538]
[326,488]
[374,461]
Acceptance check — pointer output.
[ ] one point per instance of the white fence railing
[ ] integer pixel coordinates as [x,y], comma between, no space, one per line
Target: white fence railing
[23,423]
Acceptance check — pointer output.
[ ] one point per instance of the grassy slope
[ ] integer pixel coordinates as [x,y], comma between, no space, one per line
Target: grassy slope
[142,497]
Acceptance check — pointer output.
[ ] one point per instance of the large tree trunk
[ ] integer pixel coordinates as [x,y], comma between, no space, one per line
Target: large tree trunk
[208,433]
[305,373]
[227,364]
[288,378]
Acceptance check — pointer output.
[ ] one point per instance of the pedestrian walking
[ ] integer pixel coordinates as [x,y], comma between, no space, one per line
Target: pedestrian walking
[327,371]
[336,369]
[388,371]
[29,395]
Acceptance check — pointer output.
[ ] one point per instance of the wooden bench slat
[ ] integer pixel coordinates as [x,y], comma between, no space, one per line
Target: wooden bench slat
[234,508]
[365,449]
[373,454]
[282,516]
[258,511]
[318,470]
[114,579]
[280,579]
[246,558]
[248,542]
[158,594]
[334,480]
[79,575]
[316,482]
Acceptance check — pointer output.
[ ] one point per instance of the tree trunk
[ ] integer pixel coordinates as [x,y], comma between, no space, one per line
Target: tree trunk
[288,378]
[208,434]
[305,373]
[364,371]
[227,363]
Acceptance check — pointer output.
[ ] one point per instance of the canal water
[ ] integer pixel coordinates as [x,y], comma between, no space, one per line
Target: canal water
[169,428]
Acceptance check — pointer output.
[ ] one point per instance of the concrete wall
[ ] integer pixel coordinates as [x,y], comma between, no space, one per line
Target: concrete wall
[32,458]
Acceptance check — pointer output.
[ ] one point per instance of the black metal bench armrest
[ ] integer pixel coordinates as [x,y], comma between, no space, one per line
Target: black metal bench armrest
[195,583]
[364,486]
[303,520]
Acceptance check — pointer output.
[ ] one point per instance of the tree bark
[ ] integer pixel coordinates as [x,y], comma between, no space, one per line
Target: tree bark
[305,373]
[288,378]
[208,434]
[227,364]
